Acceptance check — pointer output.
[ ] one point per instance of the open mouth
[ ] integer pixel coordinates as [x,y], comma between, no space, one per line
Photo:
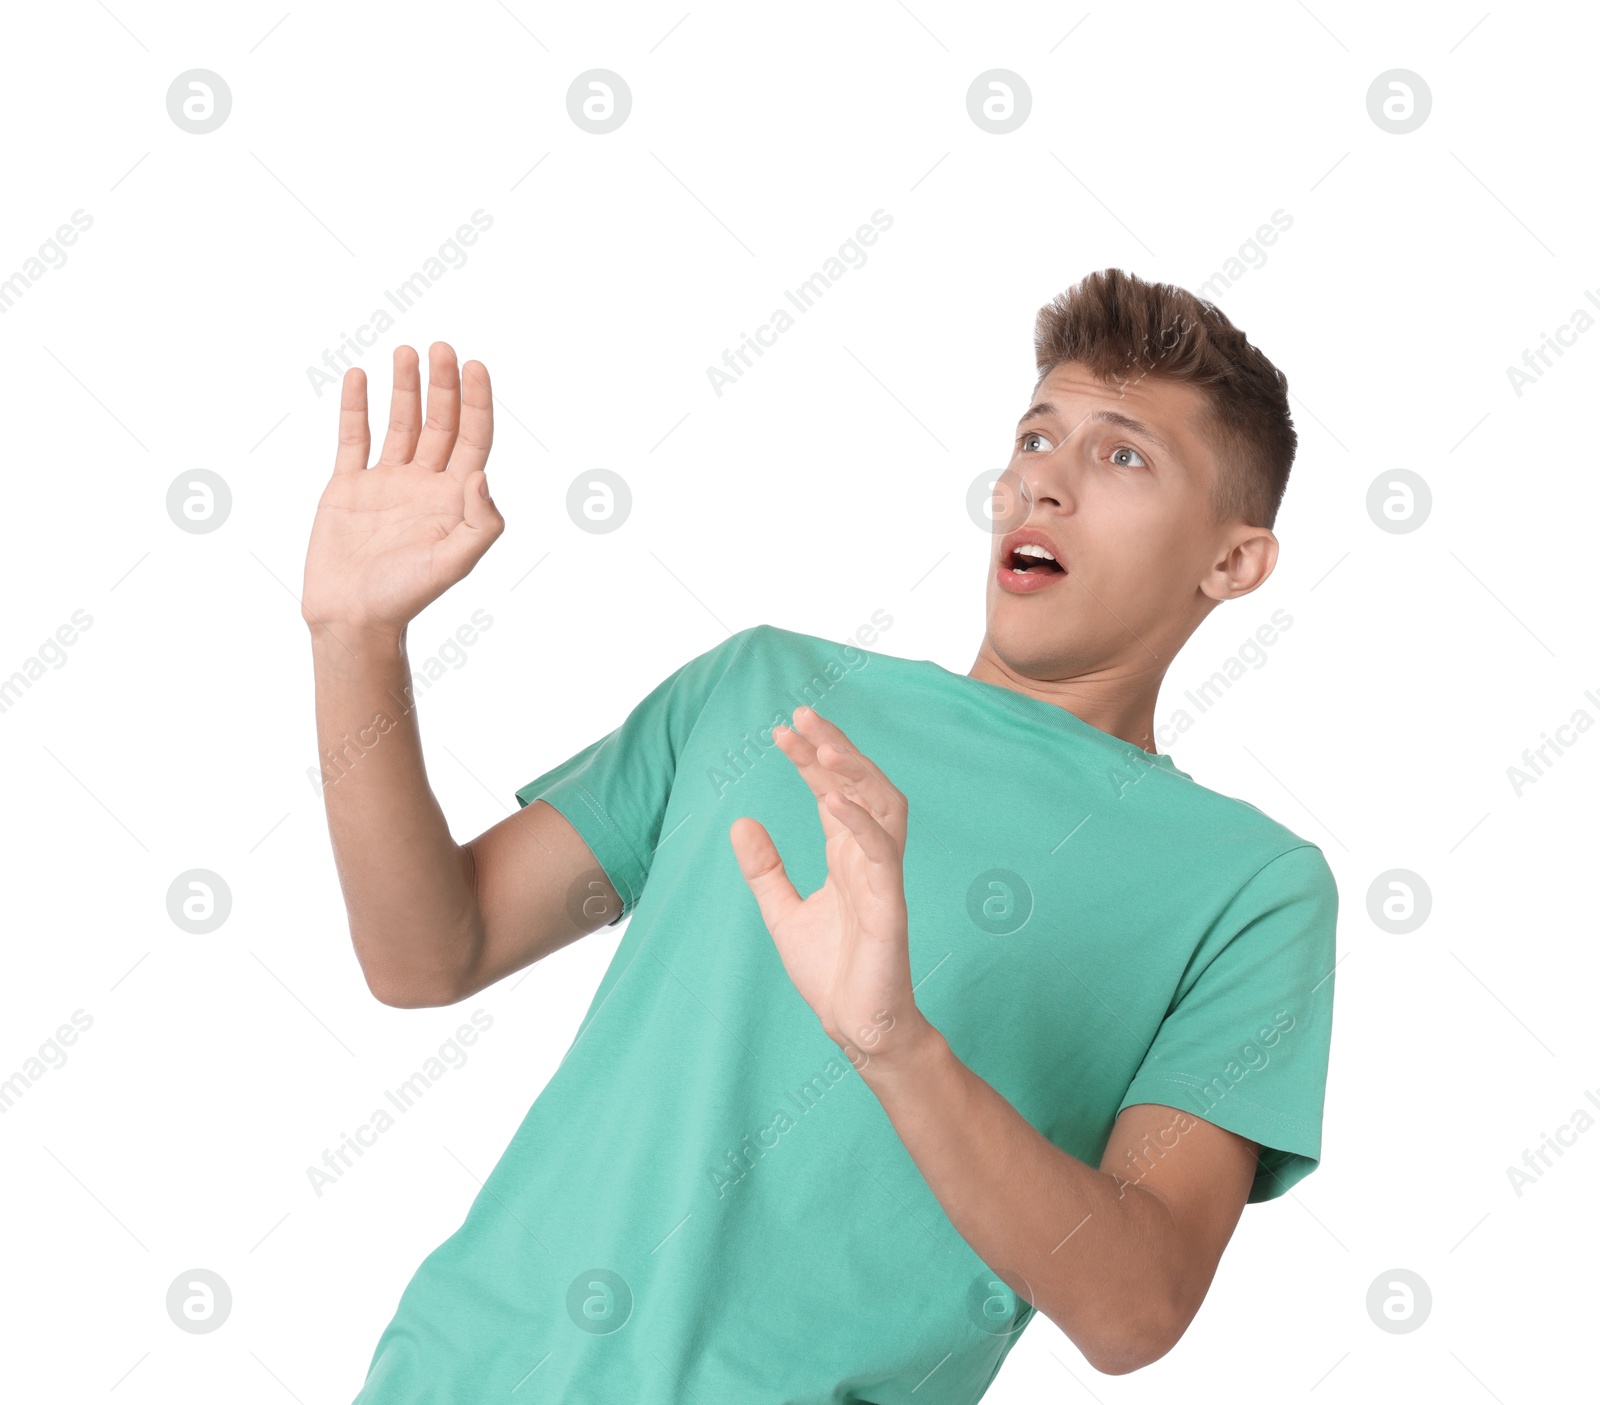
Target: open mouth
[1032,560]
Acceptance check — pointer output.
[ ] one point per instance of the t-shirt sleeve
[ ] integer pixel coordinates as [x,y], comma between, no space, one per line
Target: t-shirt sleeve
[1245,1043]
[614,792]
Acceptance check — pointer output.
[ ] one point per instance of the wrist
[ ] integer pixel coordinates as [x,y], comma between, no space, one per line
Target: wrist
[912,1057]
[340,636]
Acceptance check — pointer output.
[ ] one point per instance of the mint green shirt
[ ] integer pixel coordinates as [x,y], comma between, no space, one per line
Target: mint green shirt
[706,1204]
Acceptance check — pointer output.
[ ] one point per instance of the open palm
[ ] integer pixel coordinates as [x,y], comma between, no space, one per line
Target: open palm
[388,540]
[845,946]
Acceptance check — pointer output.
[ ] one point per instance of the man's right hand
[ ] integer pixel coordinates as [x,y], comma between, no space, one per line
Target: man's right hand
[389,540]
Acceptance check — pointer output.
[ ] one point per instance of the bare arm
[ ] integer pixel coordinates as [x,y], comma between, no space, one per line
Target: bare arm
[432,921]
[1120,1263]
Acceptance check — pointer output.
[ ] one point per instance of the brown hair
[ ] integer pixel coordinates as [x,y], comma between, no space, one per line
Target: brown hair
[1123,329]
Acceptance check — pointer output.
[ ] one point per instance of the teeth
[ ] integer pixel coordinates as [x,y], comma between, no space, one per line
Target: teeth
[1031,552]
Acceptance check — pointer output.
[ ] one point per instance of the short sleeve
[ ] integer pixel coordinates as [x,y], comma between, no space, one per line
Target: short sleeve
[615,791]
[1245,1044]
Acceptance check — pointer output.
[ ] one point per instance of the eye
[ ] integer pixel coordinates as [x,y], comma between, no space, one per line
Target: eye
[1030,434]
[1124,449]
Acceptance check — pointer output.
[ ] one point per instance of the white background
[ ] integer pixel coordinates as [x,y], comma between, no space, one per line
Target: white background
[829,482]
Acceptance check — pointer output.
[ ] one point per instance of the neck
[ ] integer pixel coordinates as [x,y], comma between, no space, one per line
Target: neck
[1121,704]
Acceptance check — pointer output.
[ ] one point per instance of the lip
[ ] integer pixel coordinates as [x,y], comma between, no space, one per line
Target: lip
[1029,583]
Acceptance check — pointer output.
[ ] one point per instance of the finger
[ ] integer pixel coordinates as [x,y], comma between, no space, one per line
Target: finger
[836,756]
[355,438]
[405,409]
[813,769]
[882,853]
[444,409]
[480,525]
[821,780]
[471,452]
[763,870]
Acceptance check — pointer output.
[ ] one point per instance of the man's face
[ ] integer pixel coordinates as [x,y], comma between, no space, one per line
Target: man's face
[1124,505]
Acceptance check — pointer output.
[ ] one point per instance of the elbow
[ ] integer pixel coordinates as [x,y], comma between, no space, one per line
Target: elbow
[400,994]
[1122,1358]
[1131,1345]
[398,998]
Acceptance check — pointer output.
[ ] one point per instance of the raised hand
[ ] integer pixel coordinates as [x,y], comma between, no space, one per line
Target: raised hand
[846,947]
[390,539]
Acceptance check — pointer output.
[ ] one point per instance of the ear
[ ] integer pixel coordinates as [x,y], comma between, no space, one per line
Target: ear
[1246,558]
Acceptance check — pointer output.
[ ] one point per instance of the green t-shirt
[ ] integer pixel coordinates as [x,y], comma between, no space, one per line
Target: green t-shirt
[706,1203]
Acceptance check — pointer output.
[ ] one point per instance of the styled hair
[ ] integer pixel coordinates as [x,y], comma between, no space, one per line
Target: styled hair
[1122,329]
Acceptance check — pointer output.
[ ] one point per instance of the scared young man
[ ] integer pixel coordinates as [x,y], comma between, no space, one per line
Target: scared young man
[952,1002]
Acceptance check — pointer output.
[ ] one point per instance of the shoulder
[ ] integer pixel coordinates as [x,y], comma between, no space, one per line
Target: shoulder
[1244,838]
[774,640]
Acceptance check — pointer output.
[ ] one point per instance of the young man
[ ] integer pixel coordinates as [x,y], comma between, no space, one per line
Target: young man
[1051,1014]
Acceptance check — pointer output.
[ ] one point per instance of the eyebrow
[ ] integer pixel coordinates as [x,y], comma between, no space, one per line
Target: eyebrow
[1045,408]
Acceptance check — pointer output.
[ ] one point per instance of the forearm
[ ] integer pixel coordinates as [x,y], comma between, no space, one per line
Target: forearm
[407,884]
[1095,1256]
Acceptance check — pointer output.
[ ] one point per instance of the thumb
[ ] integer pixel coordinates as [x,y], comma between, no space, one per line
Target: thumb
[763,871]
[475,533]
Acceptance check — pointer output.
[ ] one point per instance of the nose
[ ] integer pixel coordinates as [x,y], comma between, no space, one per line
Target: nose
[1041,482]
